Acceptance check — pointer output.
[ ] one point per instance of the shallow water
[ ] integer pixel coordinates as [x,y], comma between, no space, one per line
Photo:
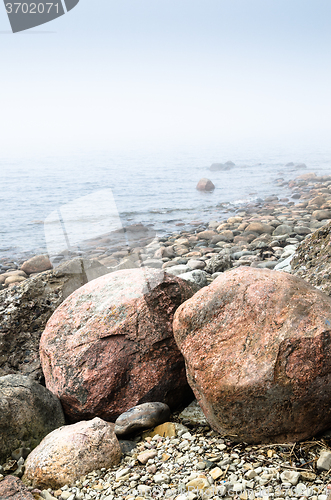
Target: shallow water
[87,195]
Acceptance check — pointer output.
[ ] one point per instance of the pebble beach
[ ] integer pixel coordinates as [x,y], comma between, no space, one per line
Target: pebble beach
[261,234]
[188,460]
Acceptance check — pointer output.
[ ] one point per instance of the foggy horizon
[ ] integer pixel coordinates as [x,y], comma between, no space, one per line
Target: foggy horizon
[126,75]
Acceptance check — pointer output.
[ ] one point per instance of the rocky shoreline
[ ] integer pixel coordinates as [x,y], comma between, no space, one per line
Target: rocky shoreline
[185,459]
[259,234]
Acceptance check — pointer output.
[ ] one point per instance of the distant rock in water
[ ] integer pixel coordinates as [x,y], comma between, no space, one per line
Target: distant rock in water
[205,185]
[221,166]
[257,348]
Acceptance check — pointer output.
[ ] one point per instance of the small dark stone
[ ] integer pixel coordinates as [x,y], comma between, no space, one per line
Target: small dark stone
[209,464]
[144,416]
[127,446]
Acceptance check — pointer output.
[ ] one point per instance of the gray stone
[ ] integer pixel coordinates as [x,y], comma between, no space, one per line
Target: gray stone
[218,263]
[282,229]
[161,479]
[290,476]
[144,416]
[196,264]
[28,412]
[197,277]
[267,264]
[154,263]
[237,255]
[127,446]
[321,214]
[179,269]
[302,230]
[284,265]
[20,453]
[324,461]
[25,310]
[292,241]
[47,496]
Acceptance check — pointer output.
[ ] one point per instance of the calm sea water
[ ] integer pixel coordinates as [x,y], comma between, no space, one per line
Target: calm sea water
[91,194]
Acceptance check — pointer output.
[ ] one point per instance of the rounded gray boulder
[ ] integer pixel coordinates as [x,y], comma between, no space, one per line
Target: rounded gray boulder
[28,412]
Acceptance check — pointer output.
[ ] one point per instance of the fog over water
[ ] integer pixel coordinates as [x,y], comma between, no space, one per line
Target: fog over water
[140,97]
[157,189]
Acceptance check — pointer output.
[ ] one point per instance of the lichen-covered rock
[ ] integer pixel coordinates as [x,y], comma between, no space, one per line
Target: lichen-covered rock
[28,411]
[257,347]
[218,264]
[72,451]
[25,310]
[312,259]
[110,345]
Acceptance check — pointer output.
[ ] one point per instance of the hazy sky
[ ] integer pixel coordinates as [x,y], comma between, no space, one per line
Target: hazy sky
[130,73]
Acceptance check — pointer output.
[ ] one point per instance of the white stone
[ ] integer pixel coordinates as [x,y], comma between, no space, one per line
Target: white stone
[179,269]
[47,496]
[188,436]
[65,495]
[238,487]
[250,474]
[161,478]
[290,476]
[122,472]
[143,488]
[324,461]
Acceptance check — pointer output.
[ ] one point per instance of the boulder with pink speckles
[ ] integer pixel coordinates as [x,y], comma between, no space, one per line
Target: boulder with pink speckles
[257,347]
[12,488]
[110,345]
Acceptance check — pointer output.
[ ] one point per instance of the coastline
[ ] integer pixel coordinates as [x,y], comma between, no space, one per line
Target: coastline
[263,235]
[284,223]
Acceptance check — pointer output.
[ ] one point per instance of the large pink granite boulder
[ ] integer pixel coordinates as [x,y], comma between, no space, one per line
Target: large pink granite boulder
[110,345]
[257,347]
[72,451]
